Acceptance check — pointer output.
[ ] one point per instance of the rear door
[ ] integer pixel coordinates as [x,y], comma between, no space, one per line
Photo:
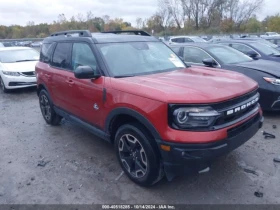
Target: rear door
[61,72]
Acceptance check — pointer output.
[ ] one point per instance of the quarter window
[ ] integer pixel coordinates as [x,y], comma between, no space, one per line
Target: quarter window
[194,55]
[61,56]
[82,56]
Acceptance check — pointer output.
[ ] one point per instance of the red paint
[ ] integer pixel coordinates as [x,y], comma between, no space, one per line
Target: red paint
[149,95]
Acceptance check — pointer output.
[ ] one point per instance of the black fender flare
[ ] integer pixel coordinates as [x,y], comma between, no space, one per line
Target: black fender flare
[127,111]
[44,86]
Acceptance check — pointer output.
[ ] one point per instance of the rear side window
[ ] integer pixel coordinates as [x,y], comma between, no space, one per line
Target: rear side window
[178,40]
[188,40]
[61,56]
[242,48]
[46,52]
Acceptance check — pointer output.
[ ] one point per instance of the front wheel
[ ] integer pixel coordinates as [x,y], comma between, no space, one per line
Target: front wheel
[47,109]
[137,156]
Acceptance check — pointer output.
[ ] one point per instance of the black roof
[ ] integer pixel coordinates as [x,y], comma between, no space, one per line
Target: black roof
[106,37]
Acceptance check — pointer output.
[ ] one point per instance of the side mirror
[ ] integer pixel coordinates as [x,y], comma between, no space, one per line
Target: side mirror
[209,62]
[85,72]
[253,55]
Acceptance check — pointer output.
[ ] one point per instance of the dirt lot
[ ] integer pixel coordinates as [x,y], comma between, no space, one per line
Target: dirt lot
[82,169]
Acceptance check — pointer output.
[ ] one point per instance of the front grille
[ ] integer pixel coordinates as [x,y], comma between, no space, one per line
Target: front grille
[28,73]
[234,101]
[234,104]
[244,126]
[21,83]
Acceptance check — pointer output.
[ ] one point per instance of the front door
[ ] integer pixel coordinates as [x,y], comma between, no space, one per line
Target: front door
[86,94]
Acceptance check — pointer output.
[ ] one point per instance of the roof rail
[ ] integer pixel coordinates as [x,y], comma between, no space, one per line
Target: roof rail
[82,33]
[136,32]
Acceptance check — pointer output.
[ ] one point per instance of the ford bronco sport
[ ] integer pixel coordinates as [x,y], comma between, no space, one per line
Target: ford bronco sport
[164,118]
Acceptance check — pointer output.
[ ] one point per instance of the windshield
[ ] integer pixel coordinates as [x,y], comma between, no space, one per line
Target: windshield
[139,58]
[198,39]
[228,55]
[21,55]
[265,49]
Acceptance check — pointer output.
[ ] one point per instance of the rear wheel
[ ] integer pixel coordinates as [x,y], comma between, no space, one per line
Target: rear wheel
[47,110]
[136,155]
[3,88]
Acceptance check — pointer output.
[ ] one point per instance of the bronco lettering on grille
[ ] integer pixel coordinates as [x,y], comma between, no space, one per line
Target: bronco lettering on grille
[244,106]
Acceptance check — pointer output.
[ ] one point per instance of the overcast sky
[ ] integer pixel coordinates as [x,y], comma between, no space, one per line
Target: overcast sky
[45,11]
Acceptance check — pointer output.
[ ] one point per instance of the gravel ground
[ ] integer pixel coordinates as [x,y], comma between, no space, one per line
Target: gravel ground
[78,168]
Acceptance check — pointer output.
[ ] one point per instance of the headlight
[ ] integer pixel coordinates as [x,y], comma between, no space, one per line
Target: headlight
[273,81]
[194,117]
[11,73]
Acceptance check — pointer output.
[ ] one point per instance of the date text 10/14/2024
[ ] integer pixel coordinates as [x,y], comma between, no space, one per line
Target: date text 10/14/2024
[138,207]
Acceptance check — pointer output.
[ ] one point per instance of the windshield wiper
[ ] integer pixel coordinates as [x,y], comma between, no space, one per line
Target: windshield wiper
[26,60]
[122,76]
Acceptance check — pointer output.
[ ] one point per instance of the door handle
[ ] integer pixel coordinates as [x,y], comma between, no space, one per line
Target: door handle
[48,76]
[70,82]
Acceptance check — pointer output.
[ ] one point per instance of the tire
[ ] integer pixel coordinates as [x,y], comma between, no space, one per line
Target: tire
[3,88]
[47,110]
[137,156]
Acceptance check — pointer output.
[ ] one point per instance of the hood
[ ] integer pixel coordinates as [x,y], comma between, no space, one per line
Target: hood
[270,67]
[20,66]
[191,85]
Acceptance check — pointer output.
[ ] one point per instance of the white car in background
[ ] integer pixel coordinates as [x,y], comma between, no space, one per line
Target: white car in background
[17,67]
[271,34]
[184,39]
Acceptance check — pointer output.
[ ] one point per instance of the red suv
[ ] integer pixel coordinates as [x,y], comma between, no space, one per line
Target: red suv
[164,117]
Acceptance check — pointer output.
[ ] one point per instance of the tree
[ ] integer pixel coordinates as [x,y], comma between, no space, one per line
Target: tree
[139,23]
[253,25]
[273,23]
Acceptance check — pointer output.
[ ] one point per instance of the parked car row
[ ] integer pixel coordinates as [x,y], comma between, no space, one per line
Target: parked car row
[23,44]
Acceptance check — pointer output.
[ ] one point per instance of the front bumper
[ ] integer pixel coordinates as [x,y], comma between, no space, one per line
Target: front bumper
[189,158]
[13,82]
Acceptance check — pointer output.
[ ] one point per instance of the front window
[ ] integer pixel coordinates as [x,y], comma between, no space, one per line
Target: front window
[228,55]
[265,49]
[139,58]
[13,56]
[195,55]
